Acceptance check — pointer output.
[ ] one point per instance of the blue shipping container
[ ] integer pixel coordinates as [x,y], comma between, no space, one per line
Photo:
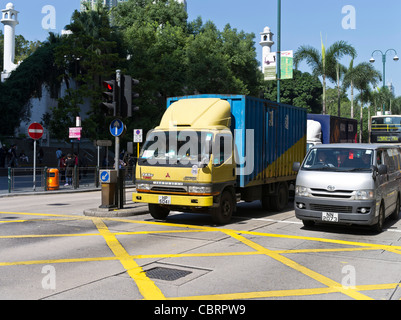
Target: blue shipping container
[279,137]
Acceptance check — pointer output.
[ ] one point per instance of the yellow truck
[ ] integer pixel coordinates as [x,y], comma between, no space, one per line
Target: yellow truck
[211,151]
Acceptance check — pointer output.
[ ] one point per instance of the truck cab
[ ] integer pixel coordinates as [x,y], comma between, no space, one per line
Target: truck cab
[187,164]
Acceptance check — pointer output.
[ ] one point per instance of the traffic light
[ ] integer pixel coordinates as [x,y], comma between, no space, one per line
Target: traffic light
[110,95]
[128,95]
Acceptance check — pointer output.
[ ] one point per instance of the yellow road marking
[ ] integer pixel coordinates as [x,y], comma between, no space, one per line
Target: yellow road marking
[294,265]
[150,291]
[146,287]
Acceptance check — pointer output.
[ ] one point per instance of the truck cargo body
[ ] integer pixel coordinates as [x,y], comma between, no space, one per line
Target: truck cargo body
[266,139]
[336,129]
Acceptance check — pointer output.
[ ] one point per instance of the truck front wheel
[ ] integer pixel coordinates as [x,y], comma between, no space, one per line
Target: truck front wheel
[158,212]
[222,214]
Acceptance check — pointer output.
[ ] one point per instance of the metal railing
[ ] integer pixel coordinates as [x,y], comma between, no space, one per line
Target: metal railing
[20,179]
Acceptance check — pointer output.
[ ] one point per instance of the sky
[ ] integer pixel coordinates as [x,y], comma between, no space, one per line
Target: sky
[365,24]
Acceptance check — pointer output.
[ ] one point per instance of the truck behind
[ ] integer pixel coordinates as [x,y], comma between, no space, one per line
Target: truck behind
[325,129]
[211,151]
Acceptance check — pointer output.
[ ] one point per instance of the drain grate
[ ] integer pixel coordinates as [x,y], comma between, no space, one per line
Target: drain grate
[166,273]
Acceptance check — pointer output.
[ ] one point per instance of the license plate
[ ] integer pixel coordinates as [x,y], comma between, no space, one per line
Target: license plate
[330,216]
[164,199]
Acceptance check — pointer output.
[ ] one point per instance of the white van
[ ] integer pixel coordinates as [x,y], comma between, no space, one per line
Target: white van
[349,183]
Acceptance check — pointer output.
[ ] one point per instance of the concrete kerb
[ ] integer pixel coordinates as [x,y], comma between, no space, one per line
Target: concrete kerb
[107,213]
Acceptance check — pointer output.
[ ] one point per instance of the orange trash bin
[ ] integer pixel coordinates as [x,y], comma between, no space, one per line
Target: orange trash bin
[53,179]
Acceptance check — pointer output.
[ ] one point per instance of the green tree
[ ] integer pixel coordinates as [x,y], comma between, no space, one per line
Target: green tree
[323,63]
[303,91]
[366,76]
[88,55]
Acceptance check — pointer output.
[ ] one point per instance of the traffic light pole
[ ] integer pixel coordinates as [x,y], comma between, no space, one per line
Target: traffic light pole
[119,189]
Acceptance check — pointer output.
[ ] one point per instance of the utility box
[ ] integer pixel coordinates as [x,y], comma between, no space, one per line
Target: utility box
[108,179]
[108,176]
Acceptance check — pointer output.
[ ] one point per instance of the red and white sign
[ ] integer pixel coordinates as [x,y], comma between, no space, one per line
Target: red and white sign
[35,131]
[75,133]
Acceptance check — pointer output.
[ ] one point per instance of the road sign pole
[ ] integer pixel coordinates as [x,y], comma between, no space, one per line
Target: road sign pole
[34,165]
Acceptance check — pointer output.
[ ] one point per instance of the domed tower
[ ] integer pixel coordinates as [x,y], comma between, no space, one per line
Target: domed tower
[266,42]
[10,20]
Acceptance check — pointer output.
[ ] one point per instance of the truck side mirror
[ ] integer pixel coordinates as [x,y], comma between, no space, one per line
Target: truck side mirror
[382,169]
[296,166]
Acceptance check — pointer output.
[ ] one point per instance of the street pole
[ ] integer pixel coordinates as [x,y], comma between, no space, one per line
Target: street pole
[278,49]
[117,139]
[384,59]
[34,165]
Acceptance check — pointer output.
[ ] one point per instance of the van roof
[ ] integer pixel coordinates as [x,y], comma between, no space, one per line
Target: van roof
[357,145]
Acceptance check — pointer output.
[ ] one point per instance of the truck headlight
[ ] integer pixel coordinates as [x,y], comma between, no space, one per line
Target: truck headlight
[200,190]
[301,191]
[364,195]
[143,186]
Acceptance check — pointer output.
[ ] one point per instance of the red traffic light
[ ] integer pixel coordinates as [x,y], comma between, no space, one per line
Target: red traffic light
[107,85]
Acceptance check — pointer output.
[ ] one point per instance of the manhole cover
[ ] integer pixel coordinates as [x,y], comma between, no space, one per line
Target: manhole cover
[167,274]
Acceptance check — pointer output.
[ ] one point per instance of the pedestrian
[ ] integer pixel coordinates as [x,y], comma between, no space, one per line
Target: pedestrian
[40,156]
[59,154]
[69,164]
[13,156]
[3,154]
[62,168]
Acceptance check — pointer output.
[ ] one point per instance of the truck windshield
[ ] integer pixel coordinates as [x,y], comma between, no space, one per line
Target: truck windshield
[176,148]
[339,159]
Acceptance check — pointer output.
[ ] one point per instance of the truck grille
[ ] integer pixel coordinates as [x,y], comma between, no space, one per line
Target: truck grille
[169,189]
[330,208]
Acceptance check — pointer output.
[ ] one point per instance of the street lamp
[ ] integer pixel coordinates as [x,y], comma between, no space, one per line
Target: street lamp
[372,60]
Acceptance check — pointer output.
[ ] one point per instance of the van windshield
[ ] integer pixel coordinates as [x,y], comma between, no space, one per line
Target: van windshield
[339,159]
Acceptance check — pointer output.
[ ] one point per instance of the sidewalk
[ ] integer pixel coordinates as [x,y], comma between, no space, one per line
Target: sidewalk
[130,208]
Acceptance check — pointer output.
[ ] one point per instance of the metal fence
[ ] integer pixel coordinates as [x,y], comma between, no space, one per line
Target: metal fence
[21,179]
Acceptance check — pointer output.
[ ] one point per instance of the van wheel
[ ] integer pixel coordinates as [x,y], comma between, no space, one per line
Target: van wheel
[158,212]
[280,201]
[308,223]
[378,227]
[223,213]
[396,214]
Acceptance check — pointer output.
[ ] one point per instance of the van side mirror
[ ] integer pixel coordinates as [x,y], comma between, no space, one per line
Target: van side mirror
[382,169]
[296,166]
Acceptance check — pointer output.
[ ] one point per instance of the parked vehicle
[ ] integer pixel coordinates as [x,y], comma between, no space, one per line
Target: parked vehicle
[349,183]
[324,129]
[211,151]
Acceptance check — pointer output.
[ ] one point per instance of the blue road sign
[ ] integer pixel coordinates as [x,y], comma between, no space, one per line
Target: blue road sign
[104,176]
[116,128]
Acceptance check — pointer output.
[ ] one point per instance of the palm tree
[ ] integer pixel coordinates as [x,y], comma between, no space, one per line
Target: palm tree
[336,70]
[348,81]
[324,63]
[365,75]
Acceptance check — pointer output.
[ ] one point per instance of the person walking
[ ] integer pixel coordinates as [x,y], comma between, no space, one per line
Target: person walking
[69,164]
[59,154]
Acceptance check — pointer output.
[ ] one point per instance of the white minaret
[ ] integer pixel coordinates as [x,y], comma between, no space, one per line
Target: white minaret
[266,42]
[10,20]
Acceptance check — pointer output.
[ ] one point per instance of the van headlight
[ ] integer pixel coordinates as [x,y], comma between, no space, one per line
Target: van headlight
[364,195]
[302,191]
